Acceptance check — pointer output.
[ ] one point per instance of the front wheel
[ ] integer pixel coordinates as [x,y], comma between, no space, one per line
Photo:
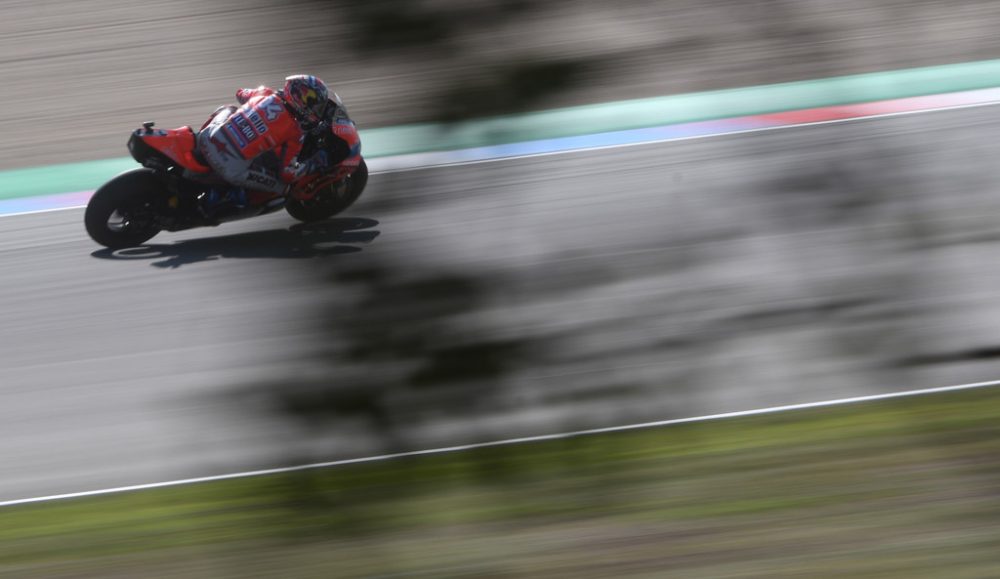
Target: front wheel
[331,198]
[121,213]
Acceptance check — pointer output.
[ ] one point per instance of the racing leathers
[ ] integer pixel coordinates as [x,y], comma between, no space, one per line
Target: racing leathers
[256,145]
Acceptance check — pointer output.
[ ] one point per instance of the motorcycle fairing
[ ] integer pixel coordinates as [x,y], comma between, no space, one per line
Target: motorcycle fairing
[178,145]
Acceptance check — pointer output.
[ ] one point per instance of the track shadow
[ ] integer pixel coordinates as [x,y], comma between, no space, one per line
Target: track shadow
[303,240]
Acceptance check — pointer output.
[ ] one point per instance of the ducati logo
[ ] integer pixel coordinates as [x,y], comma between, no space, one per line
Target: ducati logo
[262,179]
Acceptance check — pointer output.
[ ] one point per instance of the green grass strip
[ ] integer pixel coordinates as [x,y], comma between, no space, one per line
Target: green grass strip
[685,108]
[897,488]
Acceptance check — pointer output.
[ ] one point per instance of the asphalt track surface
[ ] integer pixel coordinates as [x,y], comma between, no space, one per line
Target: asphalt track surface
[118,369]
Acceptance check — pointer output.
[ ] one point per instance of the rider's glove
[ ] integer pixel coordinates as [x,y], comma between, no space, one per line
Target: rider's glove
[297,171]
[314,164]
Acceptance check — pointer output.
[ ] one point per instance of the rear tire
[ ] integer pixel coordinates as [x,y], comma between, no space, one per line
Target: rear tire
[334,199]
[121,213]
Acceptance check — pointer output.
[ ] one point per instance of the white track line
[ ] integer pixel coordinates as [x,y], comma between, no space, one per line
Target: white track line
[586,149]
[510,441]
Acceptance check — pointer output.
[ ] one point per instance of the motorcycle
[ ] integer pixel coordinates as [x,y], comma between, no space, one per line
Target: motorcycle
[170,191]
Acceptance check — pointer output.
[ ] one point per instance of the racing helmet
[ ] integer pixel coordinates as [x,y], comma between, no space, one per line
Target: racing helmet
[307,96]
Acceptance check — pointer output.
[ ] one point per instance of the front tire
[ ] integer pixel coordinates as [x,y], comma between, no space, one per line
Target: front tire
[121,213]
[333,199]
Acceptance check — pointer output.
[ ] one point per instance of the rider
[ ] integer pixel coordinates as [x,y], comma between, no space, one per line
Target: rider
[256,145]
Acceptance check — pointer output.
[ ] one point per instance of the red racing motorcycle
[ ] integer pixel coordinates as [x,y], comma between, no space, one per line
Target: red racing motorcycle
[168,192]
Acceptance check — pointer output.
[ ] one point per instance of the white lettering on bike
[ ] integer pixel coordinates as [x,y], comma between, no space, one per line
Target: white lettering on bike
[262,179]
[271,107]
[244,127]
[258,123]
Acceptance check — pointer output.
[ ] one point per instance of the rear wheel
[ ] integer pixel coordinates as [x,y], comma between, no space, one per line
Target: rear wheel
[121,213]
[331,199]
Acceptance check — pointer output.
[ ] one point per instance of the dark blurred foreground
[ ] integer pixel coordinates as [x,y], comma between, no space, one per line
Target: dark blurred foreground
[829,276]
[603,288]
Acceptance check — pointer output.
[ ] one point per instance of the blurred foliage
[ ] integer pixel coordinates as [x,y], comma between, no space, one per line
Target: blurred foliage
[391,25]
[404,351]
[480,85]
[511,87]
